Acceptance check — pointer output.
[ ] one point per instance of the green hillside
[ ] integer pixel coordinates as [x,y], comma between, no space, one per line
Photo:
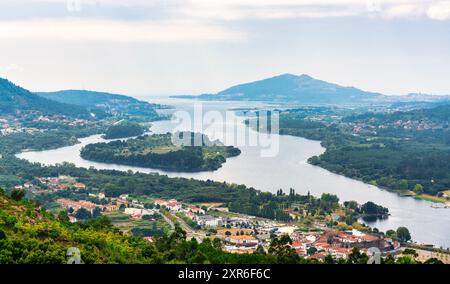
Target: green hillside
[110,103]
[16,99]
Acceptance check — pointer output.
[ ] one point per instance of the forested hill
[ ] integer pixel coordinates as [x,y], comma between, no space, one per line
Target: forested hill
[29,234]
[14,98]
[86,98]
[110,103]
[160,152]
[292,88]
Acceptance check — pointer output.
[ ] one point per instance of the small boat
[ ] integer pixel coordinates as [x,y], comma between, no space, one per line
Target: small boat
[439,206]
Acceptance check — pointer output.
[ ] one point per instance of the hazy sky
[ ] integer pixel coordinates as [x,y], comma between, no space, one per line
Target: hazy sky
[142,47]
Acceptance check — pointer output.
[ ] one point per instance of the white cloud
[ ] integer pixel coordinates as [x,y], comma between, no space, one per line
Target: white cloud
[258,9]
[82,29]
[268,9]
[191,20]
[439,10]
[404,10]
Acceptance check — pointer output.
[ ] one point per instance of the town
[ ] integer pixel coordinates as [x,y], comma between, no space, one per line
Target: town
[150,218]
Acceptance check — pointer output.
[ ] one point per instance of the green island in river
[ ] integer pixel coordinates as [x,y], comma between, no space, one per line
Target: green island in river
[161,152]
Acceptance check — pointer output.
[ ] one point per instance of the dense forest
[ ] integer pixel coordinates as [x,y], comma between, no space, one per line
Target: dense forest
[124,130]
[399,151]
[56,138]
[159,151]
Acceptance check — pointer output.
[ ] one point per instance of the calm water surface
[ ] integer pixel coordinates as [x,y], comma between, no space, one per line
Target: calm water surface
[288,169]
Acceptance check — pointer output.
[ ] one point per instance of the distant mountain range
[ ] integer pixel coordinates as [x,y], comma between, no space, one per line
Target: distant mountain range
[418,97]
[100,101]
[72,103]
[87,98]
[304,89]
[292,88]
[14,98]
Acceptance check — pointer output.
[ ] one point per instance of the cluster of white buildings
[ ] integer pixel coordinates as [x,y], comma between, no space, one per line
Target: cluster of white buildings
[138,213]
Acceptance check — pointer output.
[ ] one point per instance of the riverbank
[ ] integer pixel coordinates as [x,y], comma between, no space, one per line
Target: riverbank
[288,169]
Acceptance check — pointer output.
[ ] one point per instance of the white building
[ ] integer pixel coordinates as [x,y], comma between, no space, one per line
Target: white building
[138,212]
[209,221]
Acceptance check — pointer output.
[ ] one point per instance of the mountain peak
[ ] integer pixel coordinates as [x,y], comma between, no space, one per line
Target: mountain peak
[293,88]
[293,76]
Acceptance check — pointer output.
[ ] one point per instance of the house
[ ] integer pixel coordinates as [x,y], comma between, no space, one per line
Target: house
[123,197]
[28,185]
[190,215]
[76,205]
[160,202]
[243,240]
[300,248]
[195,209]
[148,239]
[137,213]
[79,185]
[137,204]
[240,249]
[319,255]
[222,209]
[111,208]
[173,205]
[209,221]
[263,236]
[286,230]
[67,179]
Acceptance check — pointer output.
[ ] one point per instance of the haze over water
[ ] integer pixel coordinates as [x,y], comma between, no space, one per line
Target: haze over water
[288,169]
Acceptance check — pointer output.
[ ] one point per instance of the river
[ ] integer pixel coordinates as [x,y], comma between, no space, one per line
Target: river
[287,169]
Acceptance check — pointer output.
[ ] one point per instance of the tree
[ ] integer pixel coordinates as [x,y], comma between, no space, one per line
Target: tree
[356,257]
[351,204]
[260,250]
[391,233]
[97,212]
[412,252]
[63,217]
[217,243]
[403,184]
[433,260]
[282,248]
[329,259]
[403,234]
[17,194]
[311,250]
[83,214]
[418,188]
[349,220]
[2,235]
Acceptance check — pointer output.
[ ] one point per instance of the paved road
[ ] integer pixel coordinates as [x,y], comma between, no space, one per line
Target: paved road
[172,225]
